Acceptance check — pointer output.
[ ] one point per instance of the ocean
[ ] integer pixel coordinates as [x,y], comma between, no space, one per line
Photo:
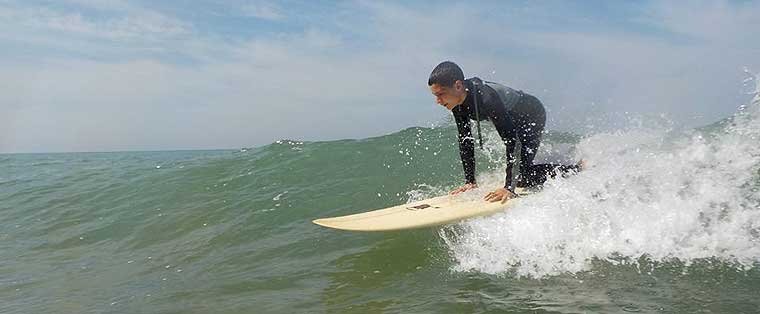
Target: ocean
[664,220]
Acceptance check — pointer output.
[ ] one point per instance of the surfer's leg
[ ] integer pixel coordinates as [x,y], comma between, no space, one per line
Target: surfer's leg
[564,170]
[530,175]
[530,128]
[538,174]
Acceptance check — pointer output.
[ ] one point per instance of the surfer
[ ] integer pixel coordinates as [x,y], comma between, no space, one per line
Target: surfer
[517,116]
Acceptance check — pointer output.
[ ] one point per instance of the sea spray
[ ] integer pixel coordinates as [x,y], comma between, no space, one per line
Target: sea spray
[649,194]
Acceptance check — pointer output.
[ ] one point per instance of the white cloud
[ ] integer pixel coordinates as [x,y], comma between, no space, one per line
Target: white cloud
[720,22]
[263,10]
[140,25]
[105,5]
[365,79]
[274,89]
[55,21]
[147,24]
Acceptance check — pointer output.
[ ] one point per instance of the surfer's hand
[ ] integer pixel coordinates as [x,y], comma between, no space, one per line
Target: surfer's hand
[468,186]
[500,194]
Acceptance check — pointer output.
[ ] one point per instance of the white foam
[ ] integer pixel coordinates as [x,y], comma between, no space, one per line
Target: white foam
[655,193]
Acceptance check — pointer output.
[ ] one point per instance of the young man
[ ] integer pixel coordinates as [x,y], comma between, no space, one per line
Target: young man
[517,116]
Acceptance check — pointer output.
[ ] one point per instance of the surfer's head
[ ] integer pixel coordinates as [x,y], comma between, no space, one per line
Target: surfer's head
[447,85]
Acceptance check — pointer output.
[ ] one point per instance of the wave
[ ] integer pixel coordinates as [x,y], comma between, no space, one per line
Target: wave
[649,197]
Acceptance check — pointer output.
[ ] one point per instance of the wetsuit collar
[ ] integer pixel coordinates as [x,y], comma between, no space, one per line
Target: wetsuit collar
[468,98]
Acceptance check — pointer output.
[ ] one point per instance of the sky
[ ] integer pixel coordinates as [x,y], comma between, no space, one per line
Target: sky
[94,75]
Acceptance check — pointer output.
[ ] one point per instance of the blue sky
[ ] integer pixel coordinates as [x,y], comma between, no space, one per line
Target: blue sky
[92,75]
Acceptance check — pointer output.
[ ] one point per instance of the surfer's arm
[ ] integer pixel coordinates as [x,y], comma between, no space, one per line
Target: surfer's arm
[508,184]
[466,144]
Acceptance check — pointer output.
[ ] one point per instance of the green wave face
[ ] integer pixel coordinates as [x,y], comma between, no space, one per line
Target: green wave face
[230,232]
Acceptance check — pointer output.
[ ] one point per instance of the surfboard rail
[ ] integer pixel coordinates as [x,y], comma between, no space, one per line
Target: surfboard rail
[430,212]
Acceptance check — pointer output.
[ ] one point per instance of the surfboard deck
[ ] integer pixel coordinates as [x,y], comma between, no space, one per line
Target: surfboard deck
[430,212]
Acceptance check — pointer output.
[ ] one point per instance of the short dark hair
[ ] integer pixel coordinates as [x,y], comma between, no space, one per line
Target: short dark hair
[445,74]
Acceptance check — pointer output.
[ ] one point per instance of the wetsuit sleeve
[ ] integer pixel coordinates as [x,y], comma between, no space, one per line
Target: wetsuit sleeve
[466,144]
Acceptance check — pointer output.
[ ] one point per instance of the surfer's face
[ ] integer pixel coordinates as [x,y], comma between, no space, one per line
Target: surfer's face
[449,97]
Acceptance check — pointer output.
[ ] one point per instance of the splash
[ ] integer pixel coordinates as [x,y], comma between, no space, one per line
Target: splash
[657,194]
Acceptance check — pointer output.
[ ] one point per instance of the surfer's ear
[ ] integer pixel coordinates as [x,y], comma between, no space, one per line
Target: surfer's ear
[459,86]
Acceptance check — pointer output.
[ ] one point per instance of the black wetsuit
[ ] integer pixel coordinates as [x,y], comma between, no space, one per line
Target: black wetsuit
[517,116]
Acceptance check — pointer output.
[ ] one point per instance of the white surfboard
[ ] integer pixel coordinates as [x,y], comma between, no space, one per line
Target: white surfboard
[425,213]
